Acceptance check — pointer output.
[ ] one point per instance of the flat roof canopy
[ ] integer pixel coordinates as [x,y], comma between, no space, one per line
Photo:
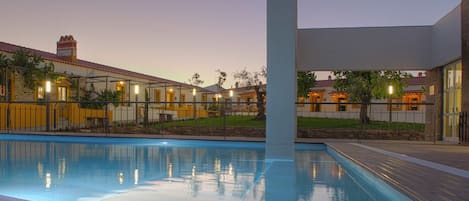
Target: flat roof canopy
[378,48]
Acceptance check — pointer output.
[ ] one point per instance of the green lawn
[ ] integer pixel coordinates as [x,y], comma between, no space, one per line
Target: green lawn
[303,122]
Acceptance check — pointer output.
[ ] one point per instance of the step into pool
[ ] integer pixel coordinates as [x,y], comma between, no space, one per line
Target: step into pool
[51,168]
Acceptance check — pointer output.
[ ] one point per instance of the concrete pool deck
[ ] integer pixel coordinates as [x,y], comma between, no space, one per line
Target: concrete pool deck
[443,174]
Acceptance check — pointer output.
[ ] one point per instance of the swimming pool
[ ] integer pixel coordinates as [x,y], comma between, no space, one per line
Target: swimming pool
[47,168]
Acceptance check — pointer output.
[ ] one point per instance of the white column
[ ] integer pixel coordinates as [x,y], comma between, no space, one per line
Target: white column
[281,79]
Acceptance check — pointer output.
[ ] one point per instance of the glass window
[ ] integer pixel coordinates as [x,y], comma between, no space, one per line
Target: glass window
[452,98]
[413,105]
[204,99]
[40,93]
[157,95]
[458,74]
[62,94]
[316,100]
[342,107]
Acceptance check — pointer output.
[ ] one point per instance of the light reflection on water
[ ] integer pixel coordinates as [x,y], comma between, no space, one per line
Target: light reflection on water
[73,171]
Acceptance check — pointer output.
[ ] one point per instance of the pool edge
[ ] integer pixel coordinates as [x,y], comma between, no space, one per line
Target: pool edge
[405,191]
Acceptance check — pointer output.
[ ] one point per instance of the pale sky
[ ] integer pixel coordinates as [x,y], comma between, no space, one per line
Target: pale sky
[174,39]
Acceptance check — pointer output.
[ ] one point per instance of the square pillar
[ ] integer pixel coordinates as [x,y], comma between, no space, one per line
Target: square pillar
[281,79]
[465,54]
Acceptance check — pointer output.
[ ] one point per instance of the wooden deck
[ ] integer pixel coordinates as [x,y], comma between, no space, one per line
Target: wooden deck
[416,181]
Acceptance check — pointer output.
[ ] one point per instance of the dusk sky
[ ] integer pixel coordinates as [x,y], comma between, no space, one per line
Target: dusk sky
[175,38]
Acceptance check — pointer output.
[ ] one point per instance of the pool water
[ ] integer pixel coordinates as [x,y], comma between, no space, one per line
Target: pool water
[78,168]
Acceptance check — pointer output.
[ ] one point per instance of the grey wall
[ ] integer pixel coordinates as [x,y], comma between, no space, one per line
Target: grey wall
[446,38]
[365,48]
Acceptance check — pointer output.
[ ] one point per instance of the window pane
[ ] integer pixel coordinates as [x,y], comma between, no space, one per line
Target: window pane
[458,74]
[62,93]
[40,93]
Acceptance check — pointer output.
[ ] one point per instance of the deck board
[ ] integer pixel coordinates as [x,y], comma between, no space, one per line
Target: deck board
[418,182]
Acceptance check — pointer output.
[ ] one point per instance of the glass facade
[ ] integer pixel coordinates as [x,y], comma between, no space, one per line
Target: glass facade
[452,100]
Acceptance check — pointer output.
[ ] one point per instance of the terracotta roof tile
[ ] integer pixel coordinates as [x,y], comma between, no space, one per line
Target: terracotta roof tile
[7,47]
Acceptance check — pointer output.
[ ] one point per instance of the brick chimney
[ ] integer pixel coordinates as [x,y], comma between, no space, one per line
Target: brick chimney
[67,48]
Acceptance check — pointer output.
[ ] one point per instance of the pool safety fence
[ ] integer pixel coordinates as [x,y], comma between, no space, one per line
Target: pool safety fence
[218,118]
[463,128]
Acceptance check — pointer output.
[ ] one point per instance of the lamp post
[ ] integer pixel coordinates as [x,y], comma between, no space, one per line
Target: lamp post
[136,90]
[390,90]
[48,90]
[194,92]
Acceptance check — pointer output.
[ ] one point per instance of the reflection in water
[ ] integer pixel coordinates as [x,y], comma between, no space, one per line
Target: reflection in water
[176,173]
[136,176]
[48,180]
[121,177]
[91,169]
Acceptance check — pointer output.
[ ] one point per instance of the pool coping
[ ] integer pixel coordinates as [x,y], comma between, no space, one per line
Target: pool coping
[7,198]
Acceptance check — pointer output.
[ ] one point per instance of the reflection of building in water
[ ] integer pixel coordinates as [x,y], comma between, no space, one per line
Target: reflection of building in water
[220,170]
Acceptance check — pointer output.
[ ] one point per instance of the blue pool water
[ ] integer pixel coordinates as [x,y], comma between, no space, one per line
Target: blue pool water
[79,168]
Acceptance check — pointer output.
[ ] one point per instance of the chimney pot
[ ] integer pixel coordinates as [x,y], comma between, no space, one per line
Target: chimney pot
[67,48]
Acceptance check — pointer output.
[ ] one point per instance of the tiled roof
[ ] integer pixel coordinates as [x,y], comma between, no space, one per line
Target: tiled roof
[324,83]
[410,82]
[11,48]
[416,81]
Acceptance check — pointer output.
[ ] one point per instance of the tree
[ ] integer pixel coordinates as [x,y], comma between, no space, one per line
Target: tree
[221,77]
[97,100]
[363,86]
[33,68]
[305,81]
[253,80]
[195,80]
[4,63]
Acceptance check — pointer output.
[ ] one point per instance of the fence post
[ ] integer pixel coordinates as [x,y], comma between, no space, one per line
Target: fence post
[223,111]
[106,120]
[466,133]
[55,117]
[8,118]
[463,131]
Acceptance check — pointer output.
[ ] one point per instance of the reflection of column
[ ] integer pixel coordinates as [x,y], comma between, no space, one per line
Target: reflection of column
[280,181]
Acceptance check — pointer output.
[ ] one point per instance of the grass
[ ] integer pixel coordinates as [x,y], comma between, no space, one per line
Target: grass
[303,122]
[231,121]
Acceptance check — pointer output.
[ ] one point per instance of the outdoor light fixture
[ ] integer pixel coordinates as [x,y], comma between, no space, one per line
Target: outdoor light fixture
[390,90]
[219,96]
[194,92]
[48,87]
[121,82]
[137,88]
[170,89]
[231,93]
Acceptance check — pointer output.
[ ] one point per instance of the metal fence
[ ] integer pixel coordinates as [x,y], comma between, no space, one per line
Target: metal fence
[222,118]
[463,128]
[396,121]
